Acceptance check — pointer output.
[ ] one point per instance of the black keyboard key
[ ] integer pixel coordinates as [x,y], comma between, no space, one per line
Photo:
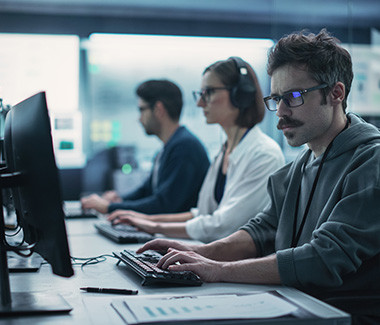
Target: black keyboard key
[123,234]
[145,266]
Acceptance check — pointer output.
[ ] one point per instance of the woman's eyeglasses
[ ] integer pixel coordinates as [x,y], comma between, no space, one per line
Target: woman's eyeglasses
[206,93]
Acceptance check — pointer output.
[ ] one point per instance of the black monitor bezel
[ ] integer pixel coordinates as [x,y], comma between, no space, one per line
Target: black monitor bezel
[32,174]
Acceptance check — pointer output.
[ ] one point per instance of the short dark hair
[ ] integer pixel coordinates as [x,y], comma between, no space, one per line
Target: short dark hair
[325,60]
[164,91]
[228,73]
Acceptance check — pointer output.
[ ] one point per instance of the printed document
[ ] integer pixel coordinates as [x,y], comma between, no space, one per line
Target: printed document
[216,307]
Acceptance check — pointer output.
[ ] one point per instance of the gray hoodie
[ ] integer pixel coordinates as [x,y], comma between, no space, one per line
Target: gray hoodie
[339,246]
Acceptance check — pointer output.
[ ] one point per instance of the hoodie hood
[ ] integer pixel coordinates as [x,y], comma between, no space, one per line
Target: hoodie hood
[359,132]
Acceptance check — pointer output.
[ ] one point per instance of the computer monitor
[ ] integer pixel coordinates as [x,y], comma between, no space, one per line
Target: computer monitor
[32,175]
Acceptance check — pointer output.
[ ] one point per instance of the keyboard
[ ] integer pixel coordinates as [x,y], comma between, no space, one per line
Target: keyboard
[81,215]
[122,234]
[145,266]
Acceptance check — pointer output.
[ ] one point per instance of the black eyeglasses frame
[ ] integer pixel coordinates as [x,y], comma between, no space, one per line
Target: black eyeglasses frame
[205,94]
[277,99]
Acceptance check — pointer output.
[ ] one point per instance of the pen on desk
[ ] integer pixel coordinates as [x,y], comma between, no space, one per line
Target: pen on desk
[110,290]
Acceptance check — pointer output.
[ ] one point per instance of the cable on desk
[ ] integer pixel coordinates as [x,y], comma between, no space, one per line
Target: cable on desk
[21,248]
[16,230]
[90,260]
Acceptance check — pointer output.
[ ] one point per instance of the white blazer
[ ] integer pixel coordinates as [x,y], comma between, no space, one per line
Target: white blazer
[245,194]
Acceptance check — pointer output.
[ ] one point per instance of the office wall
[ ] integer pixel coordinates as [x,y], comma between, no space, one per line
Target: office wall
[84,25]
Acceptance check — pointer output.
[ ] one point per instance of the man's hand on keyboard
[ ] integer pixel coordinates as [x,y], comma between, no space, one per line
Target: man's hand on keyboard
[111,196]
[162,245]
[96,202]
[182,256]
[208,270]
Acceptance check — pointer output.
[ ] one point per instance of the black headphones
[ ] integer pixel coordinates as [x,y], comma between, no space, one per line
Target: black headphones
[243,93]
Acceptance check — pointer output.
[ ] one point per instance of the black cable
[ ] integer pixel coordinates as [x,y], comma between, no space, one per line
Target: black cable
[16,230]
[20,247]
[90,260]
[297,234]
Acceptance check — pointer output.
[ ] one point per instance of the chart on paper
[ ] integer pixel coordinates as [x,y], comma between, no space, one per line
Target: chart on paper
[263,305]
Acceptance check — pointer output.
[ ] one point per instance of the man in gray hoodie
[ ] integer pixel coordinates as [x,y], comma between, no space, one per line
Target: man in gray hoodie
[321,231]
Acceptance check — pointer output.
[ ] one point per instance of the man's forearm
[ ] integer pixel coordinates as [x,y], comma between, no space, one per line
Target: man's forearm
[237,246]
[262,270]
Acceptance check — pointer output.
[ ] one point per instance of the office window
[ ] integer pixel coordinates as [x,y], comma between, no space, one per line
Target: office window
[31,63]
[364,98]
[118,63]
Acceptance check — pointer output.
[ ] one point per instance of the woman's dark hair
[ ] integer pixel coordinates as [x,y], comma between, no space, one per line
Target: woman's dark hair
[325,60]
[228,74]
[165,91]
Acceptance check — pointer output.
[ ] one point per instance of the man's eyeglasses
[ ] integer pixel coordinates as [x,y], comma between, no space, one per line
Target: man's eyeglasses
[205,94]
[291,98]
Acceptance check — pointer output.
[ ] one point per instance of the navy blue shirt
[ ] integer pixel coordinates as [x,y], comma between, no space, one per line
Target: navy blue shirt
[182,168]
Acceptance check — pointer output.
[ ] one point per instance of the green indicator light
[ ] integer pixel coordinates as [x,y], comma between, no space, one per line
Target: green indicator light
[126,169]
[94,68]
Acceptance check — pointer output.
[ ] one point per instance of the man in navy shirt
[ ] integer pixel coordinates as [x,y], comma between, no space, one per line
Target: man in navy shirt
[179,168]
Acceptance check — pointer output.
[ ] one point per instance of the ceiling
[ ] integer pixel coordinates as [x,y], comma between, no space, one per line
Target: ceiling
[357,13]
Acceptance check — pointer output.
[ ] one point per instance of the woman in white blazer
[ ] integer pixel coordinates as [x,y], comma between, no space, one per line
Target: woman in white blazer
[234,189]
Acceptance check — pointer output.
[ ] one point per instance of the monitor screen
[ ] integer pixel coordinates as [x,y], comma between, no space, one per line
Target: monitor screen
[33,176]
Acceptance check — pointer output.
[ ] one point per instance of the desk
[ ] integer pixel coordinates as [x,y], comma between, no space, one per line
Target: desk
[84,241]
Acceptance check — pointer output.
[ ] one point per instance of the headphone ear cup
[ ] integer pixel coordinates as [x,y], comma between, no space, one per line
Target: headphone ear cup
[243,94]
[234,97]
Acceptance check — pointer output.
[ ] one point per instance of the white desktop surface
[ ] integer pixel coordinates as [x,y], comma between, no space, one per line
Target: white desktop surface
[84,241]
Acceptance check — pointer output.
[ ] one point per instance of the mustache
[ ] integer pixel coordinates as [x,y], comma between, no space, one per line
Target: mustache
[287,122]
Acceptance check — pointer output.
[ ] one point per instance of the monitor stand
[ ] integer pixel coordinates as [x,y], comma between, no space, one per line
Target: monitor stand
[25,303]
[22,303]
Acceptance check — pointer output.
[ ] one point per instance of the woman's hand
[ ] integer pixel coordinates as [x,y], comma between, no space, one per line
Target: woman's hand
[119,216]
[134,219]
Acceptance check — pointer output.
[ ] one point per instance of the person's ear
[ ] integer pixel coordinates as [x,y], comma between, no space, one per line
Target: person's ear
[338,93]
[159,109]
